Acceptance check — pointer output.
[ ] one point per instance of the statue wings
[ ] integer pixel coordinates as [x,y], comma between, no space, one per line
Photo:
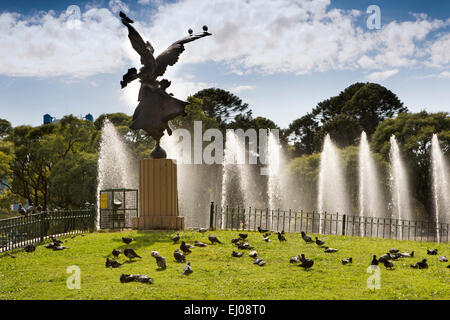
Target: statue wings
[167,58]
[170,56]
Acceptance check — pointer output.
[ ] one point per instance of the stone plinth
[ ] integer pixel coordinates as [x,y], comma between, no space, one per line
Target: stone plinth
[158,205]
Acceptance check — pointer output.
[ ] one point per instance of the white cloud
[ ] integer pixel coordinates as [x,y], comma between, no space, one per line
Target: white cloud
[266,36]
[239,89]
[382,75]
[47,45]
[117,5]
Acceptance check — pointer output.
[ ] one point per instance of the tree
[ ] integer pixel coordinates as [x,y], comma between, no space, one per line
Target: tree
[222,106]
[361,106]
[413,132]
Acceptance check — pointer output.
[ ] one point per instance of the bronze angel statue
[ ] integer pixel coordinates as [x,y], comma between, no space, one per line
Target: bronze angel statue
[156,107]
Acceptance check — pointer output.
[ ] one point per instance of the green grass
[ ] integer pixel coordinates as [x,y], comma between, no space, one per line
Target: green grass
[217,275]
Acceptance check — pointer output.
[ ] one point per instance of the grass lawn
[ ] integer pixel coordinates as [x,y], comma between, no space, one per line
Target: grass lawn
[217,275]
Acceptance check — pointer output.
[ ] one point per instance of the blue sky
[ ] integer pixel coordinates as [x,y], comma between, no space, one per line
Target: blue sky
[282,57]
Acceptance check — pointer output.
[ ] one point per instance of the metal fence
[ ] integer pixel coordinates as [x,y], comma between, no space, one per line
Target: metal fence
[325,223]
[21,231]
[118,207]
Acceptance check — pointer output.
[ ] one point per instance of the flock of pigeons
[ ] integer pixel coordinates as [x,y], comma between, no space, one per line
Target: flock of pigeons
[241,243]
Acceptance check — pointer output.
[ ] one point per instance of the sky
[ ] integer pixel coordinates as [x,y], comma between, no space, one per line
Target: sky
[281,57]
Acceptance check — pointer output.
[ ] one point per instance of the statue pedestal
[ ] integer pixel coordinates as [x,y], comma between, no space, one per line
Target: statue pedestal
[158,205]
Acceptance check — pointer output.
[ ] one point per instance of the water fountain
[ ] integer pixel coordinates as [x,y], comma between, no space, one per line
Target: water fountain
[116,166]
[332,191]
[401,203]
[440,184]
[371,202]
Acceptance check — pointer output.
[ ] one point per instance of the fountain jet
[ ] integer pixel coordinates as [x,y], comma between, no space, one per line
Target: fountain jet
[332,188]
[370,197]
[401,203]
[440,184]
[116,167]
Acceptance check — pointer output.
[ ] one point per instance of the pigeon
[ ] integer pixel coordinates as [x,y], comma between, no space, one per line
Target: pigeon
[244,246]
[421,264]
[432,252]
[190,31]
[267,234]
[253,254]
[395,256]
[116,253]
[199,244]
[124,278]
[237,254]
[56,241]
[319,242]
[179,256]
[306,264]
[257,260]
[202,230]
[29,248]
[51,245]
[262,263]
[176,238]
[131,254]
[235,240]
[205,28]
[10,255]
[266,239]
[407,255]
[59,248]
[160,261]
[281,237]
[112,263]
[213,239]
[125,18]
[346,261]
[443,259]
[262,230]
[243,236]
[185,247]
[294,259]
[306,237]
[392,250]
[187,269]
[330,250]
[143,279]
[448,266]
[128,240]
[388,264]
[375,261]
[385,257]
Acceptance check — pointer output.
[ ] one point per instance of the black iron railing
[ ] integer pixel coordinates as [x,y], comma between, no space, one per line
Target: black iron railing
[20,231]
[229,218]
